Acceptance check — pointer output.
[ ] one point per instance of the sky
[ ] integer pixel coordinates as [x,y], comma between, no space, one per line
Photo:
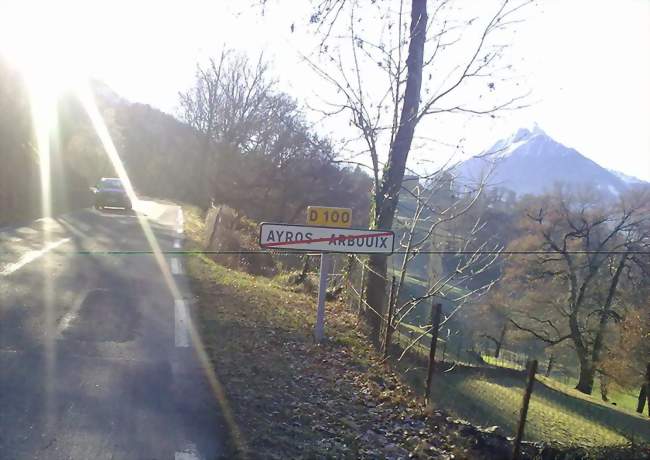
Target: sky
[586,63]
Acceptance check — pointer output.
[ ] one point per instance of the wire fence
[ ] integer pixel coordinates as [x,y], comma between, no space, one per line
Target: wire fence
[476,383]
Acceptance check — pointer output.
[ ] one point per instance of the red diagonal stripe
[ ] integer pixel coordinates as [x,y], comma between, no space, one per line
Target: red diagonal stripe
[320,240]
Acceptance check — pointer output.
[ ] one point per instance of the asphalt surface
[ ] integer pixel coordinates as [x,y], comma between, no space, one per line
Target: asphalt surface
[96,359]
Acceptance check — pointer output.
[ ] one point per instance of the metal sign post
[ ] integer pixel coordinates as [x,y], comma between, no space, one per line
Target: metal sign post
[319,327]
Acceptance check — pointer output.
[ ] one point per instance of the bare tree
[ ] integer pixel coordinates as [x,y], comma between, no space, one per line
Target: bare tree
[260,155]
[588,253]
[388,76]
[232,101]
[437,205]
[231,105]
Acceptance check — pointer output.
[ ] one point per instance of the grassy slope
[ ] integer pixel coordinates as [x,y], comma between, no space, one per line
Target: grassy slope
[289,398]
[557,413]
[624,401]
[257,333]
[553,415]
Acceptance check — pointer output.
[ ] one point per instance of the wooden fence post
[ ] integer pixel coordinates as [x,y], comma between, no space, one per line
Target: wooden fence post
[349,278]
[644,394]
[530,379]
[435,325]
[362,287]
[549,368]
[389,321]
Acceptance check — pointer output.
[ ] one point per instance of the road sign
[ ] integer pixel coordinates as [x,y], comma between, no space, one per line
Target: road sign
[325,239]
[326,217]
[329,217]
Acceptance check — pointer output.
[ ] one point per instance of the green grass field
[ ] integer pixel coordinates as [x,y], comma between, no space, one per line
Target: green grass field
[554,415]
[623,401]
[557,414]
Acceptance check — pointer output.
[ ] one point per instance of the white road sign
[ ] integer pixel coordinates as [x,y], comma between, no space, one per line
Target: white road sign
[325,239]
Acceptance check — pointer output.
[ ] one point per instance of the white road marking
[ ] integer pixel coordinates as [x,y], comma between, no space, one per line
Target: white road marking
[66,320]
[178,243]
[188,454]
[31,256]
[179,221]
[181,326]
[176,266]
[76,302]
[28,231]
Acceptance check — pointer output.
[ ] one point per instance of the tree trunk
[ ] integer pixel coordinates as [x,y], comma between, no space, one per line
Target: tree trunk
[387,193]
[497,350]
[305,271]
[586,378]
[376,294]
[642,397]
[587,370]
[549,368]
[603,387]
[502,338]
[599,341]
[644,394]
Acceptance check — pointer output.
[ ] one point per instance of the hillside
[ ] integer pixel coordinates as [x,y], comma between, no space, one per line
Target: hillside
[275,179]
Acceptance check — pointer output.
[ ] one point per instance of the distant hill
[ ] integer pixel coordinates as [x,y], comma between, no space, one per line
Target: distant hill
[531,162]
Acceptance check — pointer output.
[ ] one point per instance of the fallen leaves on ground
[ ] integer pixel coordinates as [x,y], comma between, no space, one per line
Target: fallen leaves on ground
[292,398]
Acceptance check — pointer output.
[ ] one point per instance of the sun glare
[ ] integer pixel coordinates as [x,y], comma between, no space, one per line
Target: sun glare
[47,42]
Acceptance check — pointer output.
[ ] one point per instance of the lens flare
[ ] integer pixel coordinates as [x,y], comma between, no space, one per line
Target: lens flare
[48,50]
[88,102]
[43,102]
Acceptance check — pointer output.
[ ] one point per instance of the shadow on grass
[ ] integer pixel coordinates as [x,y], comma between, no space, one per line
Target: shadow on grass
[613,419]
[473,393]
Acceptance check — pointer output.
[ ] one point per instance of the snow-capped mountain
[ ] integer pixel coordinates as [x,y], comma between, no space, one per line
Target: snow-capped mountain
[530,161]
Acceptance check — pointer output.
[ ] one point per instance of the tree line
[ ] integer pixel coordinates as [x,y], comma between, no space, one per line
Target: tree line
[574,283]
[258,153]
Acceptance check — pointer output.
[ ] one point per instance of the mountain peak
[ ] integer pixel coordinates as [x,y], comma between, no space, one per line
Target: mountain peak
[507,146]
[523,134]
[530,161]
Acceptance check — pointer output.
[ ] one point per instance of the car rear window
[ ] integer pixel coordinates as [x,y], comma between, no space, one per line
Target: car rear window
[111,183]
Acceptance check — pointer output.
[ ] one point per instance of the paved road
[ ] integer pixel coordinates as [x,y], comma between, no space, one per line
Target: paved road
[95,356]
